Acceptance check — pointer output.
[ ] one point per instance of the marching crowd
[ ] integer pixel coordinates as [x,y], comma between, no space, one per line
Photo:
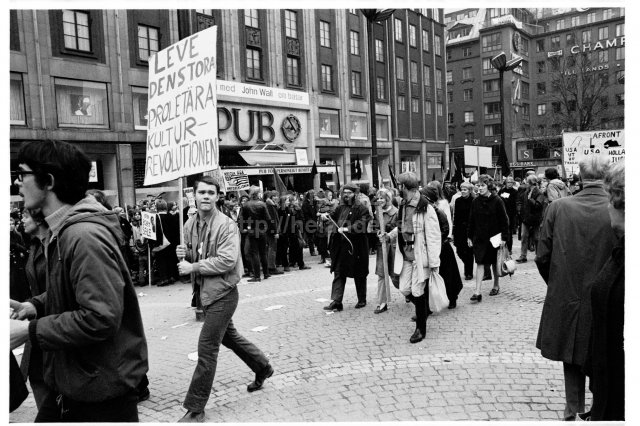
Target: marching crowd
[82,325]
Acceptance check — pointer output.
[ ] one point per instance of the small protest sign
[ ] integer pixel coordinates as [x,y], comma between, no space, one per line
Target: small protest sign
[236,180]
[148,227]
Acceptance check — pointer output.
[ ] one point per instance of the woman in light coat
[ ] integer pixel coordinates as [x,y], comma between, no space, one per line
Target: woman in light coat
[389,216]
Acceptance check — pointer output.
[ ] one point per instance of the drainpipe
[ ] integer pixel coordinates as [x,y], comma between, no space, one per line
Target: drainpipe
[119,58]
[39,69]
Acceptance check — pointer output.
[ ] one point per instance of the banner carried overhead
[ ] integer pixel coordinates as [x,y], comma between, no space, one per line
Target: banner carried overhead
[578,145]
[182,129]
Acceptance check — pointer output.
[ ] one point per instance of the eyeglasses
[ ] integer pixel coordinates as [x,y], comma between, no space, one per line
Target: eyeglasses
[19,174]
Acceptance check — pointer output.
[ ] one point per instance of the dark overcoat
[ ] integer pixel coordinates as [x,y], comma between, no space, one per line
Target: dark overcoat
[576,240]
[462,208]
[487,218]
[355,263]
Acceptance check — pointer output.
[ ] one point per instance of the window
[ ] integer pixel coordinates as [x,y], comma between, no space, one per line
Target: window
[586,36]
[439,109]
[542,109]
[325,34]
[449,54]
[327,78]
[492,111]
[450,118]
[555,43]
[603,56]
[81,104]
[399,68]
[607,14]
[468,117]
[17,111]
[450,97]
[469,137]
[427,107]
[254,68]
[354,42]
[542,66]
[526,112]
[620,99]
[379,51]
[293,71]
[467,94]
[560,24]
[76,30]
[619,53]
[619,30]
[604,78]
[466,52]
[556,107]
[358,125]
[542,88]
[449,77]
[620,76]
[291,23]
[540,45]
[438,79]
[524,66]
[554,61]
[329,123]
[426,75]
[575,21]
[397,25]
[591,18]
[425,40]
[415,105]
[147,42]
[356,86]
[466,73]
[381,91]
[487,68]
[140,107]
[437,44]
[525,46]
[382,128]
[412,35]
[353,11]
[401,106]
[208,12]
[414,72]
[251,18]
[490,86]
[603,33]
[525,89]
[491,42]
[492,130]
[571,39]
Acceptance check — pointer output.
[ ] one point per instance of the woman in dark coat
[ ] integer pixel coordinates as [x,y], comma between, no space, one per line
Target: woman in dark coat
[448,265]
[287,227]
[488,217]
[462,208]
[309,218]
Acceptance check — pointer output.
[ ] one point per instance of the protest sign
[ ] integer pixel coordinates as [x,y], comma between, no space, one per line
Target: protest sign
[578,145]
[148,226]
[191,199]
[182,129]
[236,180]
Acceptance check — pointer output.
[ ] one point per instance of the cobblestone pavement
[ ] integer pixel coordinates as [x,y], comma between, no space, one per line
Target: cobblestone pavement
[478,361]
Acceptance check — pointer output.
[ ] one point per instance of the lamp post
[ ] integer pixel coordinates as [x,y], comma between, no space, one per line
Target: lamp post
[500,63]
[373,15]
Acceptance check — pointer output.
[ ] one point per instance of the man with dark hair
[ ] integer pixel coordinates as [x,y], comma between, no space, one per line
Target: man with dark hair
[255,222]
[272,199]
[88,322]
[212,257]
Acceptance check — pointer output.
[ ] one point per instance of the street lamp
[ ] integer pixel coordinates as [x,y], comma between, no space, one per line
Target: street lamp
[374,15]
[500,63]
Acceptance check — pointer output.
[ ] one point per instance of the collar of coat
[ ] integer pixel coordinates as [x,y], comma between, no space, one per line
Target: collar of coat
[418,201]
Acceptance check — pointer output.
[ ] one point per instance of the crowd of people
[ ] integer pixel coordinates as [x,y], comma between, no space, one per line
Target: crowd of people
[78,321]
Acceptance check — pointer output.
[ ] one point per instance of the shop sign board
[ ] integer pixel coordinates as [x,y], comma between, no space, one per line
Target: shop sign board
[282,170]
[182,125]
[579,145]
[148,226]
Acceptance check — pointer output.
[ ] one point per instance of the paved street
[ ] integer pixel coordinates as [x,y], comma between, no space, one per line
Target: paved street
[478,362]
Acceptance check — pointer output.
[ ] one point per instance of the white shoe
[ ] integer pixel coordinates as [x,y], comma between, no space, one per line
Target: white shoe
[327,264]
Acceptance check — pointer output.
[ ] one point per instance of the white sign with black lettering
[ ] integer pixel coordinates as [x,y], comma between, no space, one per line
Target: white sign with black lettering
[148,226]
[578,145]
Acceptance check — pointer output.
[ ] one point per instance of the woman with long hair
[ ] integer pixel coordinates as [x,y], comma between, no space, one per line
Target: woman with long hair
[389,217]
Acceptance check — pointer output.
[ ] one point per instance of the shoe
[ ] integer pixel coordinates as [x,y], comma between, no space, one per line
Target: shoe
[414,318]
[380,310]
[360,305]
[313,253]
[521,260]
[327,264]
[333,306]
[494,292]
[267,277]
[286,269]
[144,395]
[468,277]
[192,417]
[407,300]
[260,378]
[254,280]
[322,261]
[302,268]
[275,272]
[476,297]
[416,336]
[487,277]
[452,304]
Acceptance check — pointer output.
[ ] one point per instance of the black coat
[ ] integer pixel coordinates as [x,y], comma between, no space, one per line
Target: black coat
[487,218]
[510,198]
[448,264]
[348,261]
[461,211]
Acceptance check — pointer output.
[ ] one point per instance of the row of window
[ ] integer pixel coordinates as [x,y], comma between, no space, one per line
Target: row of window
[415,106]
[570,38]
[590,18]
[358,125]
[399,37]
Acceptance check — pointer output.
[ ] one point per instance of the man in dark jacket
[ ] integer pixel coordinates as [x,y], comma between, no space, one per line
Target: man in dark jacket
[349,248]
[255,222]
[88,322]
[575,242]
[272,199]
[510,196]
[531,213]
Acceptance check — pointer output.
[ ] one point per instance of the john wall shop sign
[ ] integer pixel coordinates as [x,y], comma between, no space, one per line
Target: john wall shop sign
[578,145]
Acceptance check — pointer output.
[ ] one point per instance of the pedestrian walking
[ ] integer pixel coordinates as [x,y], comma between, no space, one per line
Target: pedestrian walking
[255,223]
[530,202]
[389,218]
[212,257]
[462,209]
[88,322]
[509,196]
[575,242]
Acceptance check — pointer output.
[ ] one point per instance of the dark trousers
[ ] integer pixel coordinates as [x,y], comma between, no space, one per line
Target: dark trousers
[283,248]
[574,381]
[258,254]
[310,237]
[272,248]
[422,309]
[243,251]
[465,253]
[56,409]
[321,243]
[218,329]
[339,283]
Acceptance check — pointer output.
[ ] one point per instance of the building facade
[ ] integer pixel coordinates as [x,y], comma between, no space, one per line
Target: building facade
[82,76]
[571,79]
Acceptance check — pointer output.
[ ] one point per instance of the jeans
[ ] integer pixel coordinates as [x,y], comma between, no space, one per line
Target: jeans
[258,254]
[121,409]
[218,328]
[339,283]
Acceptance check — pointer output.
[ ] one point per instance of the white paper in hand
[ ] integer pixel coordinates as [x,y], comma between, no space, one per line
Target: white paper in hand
[495,240]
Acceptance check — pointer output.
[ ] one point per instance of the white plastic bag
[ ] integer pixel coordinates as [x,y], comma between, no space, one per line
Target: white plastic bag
[438,299]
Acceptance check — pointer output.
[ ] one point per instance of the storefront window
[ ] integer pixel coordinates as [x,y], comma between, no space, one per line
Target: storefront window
[358,125]
[17,113]
[408,164]
[140,107]
[329,124]
[82,104]
[434,160]
[382,128]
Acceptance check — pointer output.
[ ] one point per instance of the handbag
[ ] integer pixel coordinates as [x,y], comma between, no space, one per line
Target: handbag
[506,265]
[165,241]
[438,299]
[301,241]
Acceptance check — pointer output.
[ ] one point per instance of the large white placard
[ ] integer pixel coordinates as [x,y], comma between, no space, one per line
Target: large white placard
[182,129]
[148,226]
[479,156]
[578,145]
